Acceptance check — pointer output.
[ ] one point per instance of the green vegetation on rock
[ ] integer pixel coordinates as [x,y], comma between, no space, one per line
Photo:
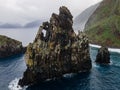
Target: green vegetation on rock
[103,27]
[6,40]
[10,47]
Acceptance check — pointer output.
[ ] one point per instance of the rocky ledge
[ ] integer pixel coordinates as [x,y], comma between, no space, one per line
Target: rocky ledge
[9,47]
[56,50]
[103,56]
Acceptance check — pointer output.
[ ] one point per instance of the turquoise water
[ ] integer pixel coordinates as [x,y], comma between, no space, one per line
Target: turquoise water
[99,78]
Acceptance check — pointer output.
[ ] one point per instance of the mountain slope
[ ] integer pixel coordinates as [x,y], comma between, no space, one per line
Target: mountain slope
[33,24]
[81,19]
[7,25]
[103,27]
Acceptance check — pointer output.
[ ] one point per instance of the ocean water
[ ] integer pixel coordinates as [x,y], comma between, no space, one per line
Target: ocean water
[101,77]
[10,69]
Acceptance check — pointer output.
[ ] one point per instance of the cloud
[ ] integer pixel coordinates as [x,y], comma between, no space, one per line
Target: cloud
[27,10]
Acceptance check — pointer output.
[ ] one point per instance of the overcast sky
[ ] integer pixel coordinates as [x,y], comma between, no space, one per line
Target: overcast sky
[22,11]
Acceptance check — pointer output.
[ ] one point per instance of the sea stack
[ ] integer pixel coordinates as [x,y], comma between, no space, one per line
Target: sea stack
[103,56]
[56,50]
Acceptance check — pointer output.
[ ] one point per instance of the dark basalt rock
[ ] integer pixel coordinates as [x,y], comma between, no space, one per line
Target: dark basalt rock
[103,56]
[58,52]
[9,47]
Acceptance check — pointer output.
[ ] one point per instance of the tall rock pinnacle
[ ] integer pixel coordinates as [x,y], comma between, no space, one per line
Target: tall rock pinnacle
[56,50]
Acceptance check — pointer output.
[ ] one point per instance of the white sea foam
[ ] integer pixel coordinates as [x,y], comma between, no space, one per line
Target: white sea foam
[48,80]
[110,49]
[95,65]
[111,63]
[93,45]
[114,50]
[13,85]
[69,75]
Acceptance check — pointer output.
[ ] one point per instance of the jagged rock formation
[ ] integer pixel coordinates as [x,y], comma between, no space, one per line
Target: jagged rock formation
[9,47]
[57,52]
[103,27]
[103,56]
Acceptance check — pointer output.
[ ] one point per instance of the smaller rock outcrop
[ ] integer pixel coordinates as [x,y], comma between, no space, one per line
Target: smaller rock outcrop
[9,47]
[103,56]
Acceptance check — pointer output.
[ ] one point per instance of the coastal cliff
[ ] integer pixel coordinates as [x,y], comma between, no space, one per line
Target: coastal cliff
[56,50]
[9,47]
[103,26]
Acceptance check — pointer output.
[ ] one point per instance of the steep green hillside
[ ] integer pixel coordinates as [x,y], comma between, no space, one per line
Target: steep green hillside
[103,27]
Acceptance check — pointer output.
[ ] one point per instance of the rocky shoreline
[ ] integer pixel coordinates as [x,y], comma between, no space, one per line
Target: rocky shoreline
[9,47]
[58,52]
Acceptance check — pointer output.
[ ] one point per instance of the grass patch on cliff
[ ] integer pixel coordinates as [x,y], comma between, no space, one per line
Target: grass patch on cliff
[106,32]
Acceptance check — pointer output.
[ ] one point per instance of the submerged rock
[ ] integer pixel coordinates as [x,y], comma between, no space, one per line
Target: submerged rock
[9,47]
[103,56]
[56,50]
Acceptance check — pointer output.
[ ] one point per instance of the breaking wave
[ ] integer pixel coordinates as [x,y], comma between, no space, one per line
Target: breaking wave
[95,65]
[69,75]
[13,85]
[110,49]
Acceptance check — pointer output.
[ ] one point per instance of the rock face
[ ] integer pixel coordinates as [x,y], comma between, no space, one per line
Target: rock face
[103,56]
[56,52]
[9,47]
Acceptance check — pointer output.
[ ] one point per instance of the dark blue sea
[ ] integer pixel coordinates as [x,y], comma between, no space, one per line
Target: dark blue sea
[101,77]
[104,77]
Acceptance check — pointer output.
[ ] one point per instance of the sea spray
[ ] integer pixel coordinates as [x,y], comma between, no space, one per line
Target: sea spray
[110,49]
[13,85]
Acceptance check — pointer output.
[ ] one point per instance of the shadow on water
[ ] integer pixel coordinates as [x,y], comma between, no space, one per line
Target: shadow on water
[11,61]
[80,81]
[10,58]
